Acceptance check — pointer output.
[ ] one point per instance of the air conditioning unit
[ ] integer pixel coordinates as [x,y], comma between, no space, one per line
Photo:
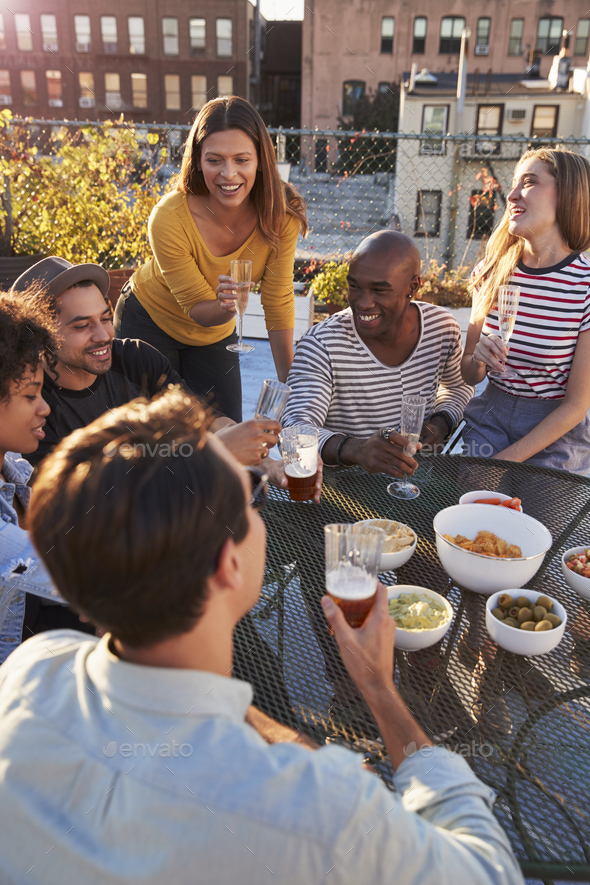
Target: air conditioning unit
[50,47]
[5,99]
[55,103]
[482,49]
[516,115]
[86,102]
[110,48]
[82,47]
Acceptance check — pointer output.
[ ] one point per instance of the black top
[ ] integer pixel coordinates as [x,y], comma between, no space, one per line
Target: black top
[137,369]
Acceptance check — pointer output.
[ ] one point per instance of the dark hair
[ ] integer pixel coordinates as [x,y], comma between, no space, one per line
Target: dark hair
[134,510]
[270,196]
[27,335]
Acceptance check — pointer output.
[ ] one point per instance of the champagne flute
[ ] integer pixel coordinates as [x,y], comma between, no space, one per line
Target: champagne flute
[413,408]
[508,297]
[241,274]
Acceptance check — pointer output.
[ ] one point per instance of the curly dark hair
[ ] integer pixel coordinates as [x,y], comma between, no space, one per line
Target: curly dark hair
[28,333]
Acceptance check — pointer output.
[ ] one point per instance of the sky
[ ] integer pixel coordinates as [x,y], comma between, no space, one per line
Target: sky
[281,9]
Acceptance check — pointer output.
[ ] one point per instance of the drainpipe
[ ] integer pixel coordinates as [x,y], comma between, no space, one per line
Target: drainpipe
[462,77]
[456,177]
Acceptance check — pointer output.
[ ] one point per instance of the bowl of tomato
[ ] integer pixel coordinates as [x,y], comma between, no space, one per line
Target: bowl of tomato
[575,565]
[497,498]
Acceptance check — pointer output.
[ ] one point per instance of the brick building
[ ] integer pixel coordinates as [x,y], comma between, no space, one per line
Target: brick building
[356,47]
[153,62]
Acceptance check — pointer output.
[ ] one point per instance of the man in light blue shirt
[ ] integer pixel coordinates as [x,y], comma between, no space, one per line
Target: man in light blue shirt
[137,759]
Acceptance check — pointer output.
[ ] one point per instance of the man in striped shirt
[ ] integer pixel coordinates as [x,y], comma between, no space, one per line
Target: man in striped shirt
[351,371]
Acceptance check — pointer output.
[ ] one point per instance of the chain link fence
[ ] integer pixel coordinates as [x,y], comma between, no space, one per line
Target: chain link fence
[85,190]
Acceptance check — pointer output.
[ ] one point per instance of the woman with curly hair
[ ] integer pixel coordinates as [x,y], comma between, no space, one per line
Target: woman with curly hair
[229,203]
[25,341]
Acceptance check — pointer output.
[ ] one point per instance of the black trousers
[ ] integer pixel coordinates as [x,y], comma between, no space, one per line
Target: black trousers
[211,371]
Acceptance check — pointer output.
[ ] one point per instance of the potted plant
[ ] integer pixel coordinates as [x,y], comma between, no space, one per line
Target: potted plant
[448,288]
[15,254]
[331,285]
[86,197]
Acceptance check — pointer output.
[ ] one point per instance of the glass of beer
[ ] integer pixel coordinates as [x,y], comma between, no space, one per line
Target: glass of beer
[353,554]
[299,448]
[272,400]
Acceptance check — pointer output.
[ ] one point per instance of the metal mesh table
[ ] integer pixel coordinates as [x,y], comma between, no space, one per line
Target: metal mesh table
[538,760]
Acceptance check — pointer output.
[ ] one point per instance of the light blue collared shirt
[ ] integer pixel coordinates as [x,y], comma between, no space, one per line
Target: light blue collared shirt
[17,552]
[117,773]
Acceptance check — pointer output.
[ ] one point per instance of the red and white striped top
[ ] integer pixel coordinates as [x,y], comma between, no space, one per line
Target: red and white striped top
[554,308]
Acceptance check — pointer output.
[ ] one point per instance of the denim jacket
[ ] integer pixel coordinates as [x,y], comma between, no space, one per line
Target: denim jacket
[17,552]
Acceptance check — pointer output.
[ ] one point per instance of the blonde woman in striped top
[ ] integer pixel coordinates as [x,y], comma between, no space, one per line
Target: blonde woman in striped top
[540,416]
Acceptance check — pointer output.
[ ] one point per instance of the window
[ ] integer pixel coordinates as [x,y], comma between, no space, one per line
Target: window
[108,28]
[419,45]
[24,36]
[2,33]
[49,33]
[489,119]
[387,29]
[544,121]
[29,87]
[86,84]
[112,88]
[170,36]
[199,91]
[82,29]
[136,35]
[516,32]
[549,35]
[481,215]
[197,36]
[139,90]
[225,85]
[451,27]
[5,93]
[489,122]
[428,206]
[54,89]
[582,33]
[352,91]
[172,90]
[482,39]
[434,122]
[223,32]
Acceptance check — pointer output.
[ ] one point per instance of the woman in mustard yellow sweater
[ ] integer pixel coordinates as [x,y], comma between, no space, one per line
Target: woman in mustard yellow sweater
[229,203]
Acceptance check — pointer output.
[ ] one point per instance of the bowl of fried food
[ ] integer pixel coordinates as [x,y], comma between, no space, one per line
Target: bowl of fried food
[497,498]
[575,565]
[487,549]
[422,616]
[525,622]
[399,544]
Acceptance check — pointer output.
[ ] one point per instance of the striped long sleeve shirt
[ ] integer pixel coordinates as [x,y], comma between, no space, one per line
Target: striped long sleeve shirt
[554,309]
[339,386]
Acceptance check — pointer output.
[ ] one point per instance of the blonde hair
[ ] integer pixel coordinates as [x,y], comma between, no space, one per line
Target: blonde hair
[504,250]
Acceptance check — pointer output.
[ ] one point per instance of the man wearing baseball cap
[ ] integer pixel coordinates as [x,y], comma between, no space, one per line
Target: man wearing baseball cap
[97,372]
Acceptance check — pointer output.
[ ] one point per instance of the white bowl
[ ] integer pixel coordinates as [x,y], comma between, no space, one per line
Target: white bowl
[472,497]
[413,640]
[577,582]
[523,642]
[390,561]
[485,574]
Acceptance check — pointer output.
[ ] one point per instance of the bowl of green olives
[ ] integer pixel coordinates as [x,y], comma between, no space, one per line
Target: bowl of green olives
[525,622]
[574,573]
